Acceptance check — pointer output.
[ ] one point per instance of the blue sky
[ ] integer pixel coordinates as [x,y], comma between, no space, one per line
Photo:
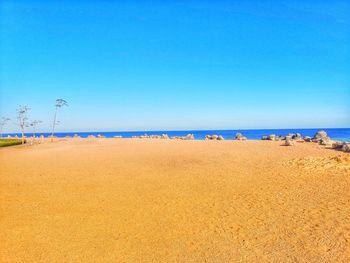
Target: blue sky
[153,65]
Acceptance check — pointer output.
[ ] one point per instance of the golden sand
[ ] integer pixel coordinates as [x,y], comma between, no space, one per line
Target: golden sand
[144,200]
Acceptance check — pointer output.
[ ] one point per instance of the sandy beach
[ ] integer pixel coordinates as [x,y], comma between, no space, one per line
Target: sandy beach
[144,200]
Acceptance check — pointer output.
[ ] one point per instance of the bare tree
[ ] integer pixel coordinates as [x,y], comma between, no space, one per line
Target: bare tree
[34,125]
[22,112]
[3,122]
[58,104]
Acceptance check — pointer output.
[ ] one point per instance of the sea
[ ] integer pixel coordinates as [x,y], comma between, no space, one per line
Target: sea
[342,134]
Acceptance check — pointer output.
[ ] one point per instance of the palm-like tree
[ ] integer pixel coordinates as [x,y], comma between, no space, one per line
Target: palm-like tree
[59,104]
[34,125]
[22,112]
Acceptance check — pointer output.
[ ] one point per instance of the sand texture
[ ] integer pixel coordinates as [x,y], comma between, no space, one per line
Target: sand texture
[144,200]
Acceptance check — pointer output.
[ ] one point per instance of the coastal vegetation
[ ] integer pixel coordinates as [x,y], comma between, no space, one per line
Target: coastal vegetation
[34,125]
[23,123]
[9,142]
[59,104]
[22,112]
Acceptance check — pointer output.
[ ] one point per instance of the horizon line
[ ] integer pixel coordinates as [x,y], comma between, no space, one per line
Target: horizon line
[244,129]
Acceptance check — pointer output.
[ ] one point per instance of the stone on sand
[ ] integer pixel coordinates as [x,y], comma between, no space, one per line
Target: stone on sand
[289,141]
[320,135]
[239,136]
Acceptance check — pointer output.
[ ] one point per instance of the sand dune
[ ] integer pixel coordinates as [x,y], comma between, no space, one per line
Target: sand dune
[131,200]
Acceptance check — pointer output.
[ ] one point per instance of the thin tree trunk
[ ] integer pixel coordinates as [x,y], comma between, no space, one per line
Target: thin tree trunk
[53,125]
[34,134]
[22,135]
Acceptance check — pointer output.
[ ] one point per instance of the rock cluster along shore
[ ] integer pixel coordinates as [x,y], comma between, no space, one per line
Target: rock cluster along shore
[189,136]
[272,137]
[342,146]
[320,137]
[214,137]
[291,136]
[239,136]
[289,141]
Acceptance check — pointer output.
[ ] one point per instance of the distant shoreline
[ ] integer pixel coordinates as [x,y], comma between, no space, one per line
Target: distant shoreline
[253,134]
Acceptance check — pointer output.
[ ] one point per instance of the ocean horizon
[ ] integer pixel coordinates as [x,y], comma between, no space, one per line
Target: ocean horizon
[342,134]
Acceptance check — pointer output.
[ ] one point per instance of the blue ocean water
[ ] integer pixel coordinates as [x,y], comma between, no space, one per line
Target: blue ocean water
[342,134]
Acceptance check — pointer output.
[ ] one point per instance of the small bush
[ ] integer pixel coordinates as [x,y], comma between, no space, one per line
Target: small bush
[9,142]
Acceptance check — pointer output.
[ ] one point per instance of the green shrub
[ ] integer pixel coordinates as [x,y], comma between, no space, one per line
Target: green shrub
[9,142]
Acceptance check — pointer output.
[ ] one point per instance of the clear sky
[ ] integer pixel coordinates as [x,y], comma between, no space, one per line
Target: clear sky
[154,65]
